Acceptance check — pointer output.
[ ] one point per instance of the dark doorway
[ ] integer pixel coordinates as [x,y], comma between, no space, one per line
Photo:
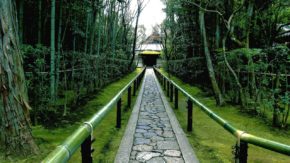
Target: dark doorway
[149,60]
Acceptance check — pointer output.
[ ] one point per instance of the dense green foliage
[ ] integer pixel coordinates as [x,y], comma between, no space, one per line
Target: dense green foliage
[65,51]
[91,41]
[75,83]
[238,46]
[68,50]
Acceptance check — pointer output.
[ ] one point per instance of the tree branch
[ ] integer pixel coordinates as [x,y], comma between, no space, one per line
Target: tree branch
[204,9]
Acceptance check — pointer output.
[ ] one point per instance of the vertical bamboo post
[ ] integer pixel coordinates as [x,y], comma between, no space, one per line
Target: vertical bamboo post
[138,81]
[134,88]
[164,83]
[86,150]
[119,113]
[176,98]
[168,88]
[189,115]
[241,152]
[171,92]
[129,97]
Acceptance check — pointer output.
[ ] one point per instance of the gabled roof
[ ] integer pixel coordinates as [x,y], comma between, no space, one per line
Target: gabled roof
[154,38]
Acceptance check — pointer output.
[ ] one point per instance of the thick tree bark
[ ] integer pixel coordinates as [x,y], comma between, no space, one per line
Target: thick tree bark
[217,92]
[15,132]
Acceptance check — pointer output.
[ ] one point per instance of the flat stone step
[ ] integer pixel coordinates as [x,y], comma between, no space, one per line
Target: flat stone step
[153,134]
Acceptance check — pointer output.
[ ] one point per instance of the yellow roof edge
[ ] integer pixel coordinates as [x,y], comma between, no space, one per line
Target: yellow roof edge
[149,53]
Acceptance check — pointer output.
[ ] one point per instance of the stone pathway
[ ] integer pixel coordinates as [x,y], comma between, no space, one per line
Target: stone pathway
[154,138]
[153,134]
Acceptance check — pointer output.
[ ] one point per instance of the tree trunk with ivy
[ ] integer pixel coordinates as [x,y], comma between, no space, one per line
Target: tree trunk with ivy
[15,132]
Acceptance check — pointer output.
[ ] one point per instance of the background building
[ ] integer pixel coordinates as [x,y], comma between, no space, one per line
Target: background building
[149,53]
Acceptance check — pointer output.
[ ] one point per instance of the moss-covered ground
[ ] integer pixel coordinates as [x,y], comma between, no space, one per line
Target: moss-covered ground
[107,136]
[212,143]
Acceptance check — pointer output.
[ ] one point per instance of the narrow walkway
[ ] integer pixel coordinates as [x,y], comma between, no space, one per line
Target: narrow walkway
[153,138]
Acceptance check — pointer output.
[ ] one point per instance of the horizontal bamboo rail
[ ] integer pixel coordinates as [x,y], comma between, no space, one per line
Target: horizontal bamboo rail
[241,136]
[82,136]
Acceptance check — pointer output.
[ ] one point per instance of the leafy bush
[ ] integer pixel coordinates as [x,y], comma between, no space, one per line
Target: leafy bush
[78,76]
[259,71]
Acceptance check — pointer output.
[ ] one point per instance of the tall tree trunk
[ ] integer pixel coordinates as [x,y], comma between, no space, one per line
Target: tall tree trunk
[15,132]
[52,52]
[249,14]
[98,50]
[240,88]
[115,26]
[276,120]
[217,92]
[39,21]
[287,106]
[99,34]
[73,56]
[87,29]
[217,33]
[253,87]
[135,37]
[59,46]
[93,25]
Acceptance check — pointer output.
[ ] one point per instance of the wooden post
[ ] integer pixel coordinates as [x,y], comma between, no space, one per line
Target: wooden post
[164,83]
[241,152]
[176,98]
[168,88]
[86,150]
[129,97]
[189,115]
[138,81]
[171,92]
[134,88]
[119,113]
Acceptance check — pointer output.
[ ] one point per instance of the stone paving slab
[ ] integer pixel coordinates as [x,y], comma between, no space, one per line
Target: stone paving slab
[154,140]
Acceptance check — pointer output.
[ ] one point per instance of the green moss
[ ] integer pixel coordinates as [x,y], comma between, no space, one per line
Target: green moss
[212,143]
[107,136]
